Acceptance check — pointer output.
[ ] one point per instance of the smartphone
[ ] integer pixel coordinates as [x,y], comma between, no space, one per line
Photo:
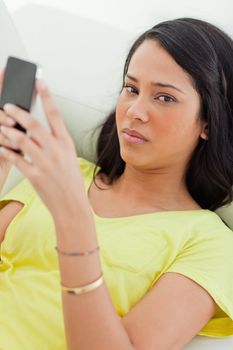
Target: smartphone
[19,84]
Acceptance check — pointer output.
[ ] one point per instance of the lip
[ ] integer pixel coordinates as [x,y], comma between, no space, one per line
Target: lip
[134,133]
[133,139]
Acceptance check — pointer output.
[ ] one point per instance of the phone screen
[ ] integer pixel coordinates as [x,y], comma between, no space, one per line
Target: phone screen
[19,84]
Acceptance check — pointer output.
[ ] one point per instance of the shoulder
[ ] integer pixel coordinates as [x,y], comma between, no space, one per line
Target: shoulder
[87,167]
[206,223]
[210,239]
[214,231]
[89,170]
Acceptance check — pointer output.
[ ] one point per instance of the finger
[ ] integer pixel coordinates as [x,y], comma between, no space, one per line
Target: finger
[19,140]
[1,78]
[17,160]
[4,141]
[5,120]
[37,132]
[53,116]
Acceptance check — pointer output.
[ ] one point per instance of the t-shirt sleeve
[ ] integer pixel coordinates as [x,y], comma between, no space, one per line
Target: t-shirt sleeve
[22,192]
[207,259]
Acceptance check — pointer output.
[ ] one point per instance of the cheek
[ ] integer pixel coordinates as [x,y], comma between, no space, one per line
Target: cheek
[120,110]
[178,124]
[167,126]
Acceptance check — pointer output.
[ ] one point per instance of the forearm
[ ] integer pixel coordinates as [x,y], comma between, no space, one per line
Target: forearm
[90,319]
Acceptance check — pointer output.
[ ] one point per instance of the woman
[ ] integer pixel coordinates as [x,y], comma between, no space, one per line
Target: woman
[138,229]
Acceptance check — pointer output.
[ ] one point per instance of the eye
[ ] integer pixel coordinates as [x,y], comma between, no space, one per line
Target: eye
[166,98]
[130,89]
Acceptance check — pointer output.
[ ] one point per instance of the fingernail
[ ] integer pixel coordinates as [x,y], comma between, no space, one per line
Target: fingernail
[8,107]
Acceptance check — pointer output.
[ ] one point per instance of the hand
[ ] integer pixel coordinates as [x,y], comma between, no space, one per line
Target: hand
[7,121]
[53,168]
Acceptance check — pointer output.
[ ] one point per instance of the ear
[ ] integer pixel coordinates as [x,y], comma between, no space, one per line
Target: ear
[204,132]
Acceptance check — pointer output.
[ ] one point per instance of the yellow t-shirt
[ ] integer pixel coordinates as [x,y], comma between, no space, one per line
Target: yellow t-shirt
[135,251]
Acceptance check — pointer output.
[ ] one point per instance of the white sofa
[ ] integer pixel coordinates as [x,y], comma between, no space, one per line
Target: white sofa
[82,61]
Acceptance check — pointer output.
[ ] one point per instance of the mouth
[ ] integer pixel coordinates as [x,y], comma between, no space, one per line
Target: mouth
[134,133]
[133,139]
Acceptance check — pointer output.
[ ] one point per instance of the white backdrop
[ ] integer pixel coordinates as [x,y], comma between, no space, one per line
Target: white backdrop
[135,15]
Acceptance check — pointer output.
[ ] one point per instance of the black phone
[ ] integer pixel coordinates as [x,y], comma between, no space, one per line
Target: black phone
[19,84]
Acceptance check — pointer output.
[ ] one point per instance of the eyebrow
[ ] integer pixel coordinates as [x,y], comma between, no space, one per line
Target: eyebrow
[156,83]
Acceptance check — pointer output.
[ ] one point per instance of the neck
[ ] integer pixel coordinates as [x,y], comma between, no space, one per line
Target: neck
[161,188]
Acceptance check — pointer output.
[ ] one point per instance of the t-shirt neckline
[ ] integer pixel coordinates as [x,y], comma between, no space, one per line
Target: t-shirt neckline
[140,216]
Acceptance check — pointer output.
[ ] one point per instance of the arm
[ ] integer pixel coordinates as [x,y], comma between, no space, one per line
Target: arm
[90,319]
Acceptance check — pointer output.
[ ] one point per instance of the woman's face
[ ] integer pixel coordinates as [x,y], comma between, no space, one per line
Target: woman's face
[158,101]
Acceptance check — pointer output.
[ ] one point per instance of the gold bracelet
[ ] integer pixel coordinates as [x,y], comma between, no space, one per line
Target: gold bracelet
[84,289]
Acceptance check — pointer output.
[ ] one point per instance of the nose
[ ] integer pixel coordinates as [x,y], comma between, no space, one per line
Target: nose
[138,110]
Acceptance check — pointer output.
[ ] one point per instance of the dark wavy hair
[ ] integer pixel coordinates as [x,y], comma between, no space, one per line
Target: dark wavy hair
[205,52]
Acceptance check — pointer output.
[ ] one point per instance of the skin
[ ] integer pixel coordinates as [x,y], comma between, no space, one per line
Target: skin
[170,124]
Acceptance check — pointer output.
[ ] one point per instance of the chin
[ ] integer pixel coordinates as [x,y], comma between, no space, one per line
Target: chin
[132,157]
